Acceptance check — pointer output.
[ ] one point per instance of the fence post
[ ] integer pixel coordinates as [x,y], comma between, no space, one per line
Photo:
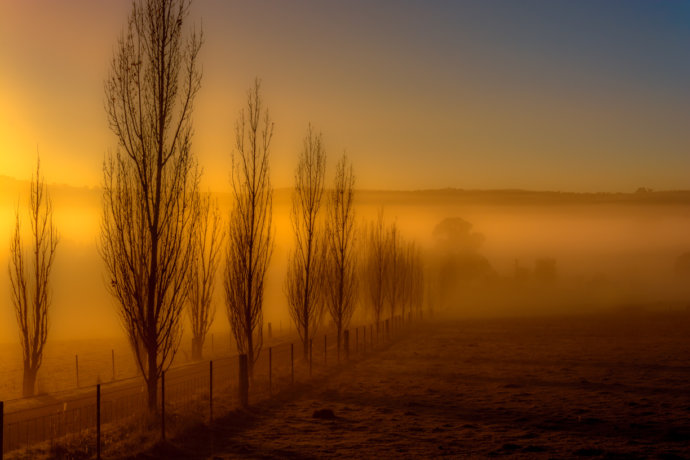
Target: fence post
[2,428]
[76,366]
[347,344]
[98,421]
[244,382]
[163,405]
[292,363]
[270,366]
[325,350]
[210,391]
[311,354]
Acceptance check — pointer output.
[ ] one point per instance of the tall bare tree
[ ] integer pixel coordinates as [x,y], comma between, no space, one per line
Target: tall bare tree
[340,280]
[412,279]
[151,180]
[304,280]
[374,267]
[207,240]
[30,279]
[250,233]
[394,278]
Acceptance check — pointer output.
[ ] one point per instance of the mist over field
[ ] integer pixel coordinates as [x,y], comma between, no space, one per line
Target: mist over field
[610,251]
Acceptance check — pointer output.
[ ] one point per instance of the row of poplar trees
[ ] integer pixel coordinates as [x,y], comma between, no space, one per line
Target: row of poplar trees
[163,241]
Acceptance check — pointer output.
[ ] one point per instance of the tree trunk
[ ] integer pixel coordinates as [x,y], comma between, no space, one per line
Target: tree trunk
[250,353]
[197,348]
[340,329]
[152,381]
[305,342]
[29,381]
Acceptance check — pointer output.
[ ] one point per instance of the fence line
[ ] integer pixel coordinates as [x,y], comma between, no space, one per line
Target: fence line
[91,413]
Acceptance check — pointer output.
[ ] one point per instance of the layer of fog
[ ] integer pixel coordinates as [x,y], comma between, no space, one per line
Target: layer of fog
[605,253]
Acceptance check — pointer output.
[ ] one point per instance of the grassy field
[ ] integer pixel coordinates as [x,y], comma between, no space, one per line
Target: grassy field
[610,386]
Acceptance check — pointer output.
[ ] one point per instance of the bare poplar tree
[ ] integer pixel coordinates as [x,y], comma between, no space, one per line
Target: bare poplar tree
[394,277]
[30,279]
[304,281]
[250,234]
[340,280]
[417,280]
[207,240]
[412,279]
[374,267]
[150,182]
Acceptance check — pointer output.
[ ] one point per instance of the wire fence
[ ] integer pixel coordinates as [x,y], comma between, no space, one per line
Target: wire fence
[96,415]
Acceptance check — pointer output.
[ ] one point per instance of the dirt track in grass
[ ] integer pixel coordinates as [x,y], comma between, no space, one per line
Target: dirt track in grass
[599,386]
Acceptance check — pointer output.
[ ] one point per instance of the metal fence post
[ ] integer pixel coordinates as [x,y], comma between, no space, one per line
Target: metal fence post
[292,363]
[98,421]
[244,381]
[210,391]
[163,405]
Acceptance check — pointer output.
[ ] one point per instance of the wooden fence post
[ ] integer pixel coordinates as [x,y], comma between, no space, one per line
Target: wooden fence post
[244,382]
[98,421]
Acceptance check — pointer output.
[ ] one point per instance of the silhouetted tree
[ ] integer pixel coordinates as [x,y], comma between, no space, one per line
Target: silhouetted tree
[412,279]
[340,280]
[150,182]
[417,279]
[207,240]
[250,234]
[457,259]
[374,267]
[29,277]
[304,280]
[395,269]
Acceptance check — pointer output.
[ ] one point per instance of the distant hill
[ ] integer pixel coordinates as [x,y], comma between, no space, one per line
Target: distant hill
[10,189]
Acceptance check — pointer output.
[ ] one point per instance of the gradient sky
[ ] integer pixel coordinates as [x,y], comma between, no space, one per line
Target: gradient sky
[575,96]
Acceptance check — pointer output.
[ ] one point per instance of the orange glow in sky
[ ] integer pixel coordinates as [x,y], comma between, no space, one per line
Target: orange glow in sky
[579,97]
